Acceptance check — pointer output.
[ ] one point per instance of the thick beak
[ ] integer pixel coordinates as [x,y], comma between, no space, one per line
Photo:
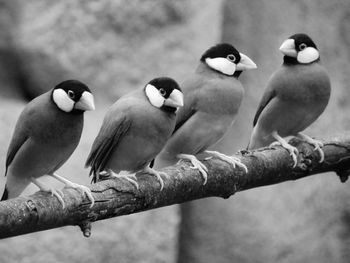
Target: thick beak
[245,63]
[86,102]
[288,48]
[176,99]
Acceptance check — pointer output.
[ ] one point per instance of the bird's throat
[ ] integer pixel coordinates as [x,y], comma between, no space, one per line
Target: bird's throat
[287,60]
[168,109]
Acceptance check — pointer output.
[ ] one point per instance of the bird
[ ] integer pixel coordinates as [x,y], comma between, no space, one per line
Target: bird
[134,130]
[46,134]
[213,95]
[294,97]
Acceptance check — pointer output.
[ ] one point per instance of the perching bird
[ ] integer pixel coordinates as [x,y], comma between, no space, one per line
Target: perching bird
[213,95]
[135,129]
[46,134]
[294,97]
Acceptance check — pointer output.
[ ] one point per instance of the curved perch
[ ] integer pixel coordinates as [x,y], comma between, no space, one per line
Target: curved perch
[115,197]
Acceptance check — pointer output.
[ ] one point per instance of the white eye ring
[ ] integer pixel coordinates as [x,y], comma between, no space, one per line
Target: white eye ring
[231,57]
[302,46]
[71,94]
[162,91]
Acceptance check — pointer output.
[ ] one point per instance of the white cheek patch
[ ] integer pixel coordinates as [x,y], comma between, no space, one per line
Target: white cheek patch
[221,64]
[154,96]
[308,55]
[60,97]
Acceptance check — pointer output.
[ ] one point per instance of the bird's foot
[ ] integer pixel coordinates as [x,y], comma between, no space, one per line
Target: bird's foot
[54,192]
[58,193]
[196,165]
[129,177]
[316,143]
[229,159]
[293,151]
[157,174]
[83,189]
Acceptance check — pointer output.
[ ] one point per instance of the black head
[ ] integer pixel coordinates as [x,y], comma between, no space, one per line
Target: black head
[222,50]
[73,96]
[299,49]
[225,59]
[164,93]
[73,88]
[302,41]
[165,85]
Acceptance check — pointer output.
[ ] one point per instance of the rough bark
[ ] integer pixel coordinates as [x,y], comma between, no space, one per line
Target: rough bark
[116,197]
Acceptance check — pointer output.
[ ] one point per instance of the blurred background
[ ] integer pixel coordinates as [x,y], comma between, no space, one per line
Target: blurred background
[115,46]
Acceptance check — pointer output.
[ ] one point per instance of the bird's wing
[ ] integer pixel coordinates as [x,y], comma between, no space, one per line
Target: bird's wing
[204,118]
[269,94]
[189,108]
[18,139]
[110,133]
[184,114]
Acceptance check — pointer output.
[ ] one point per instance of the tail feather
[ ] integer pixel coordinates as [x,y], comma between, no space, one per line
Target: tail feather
[5,195]
[14,186]
[152,163]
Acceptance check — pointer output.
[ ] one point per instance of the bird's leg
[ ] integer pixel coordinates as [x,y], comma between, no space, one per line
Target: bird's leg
[293,152]
[316,143]
[229,159]
[149,170]
[196,165]
[132,180]
[54,192]
[82,188]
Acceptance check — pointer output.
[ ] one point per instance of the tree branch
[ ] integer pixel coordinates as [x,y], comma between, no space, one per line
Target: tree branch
[117,197]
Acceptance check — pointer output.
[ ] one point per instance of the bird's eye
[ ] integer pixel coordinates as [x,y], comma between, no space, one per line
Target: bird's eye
[71,94]
[302,46]
[231,57]
[162,91]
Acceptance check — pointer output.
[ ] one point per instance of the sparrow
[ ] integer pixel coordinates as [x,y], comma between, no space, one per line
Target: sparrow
[46,134]
[134,131]
[213,95]
[295,96]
